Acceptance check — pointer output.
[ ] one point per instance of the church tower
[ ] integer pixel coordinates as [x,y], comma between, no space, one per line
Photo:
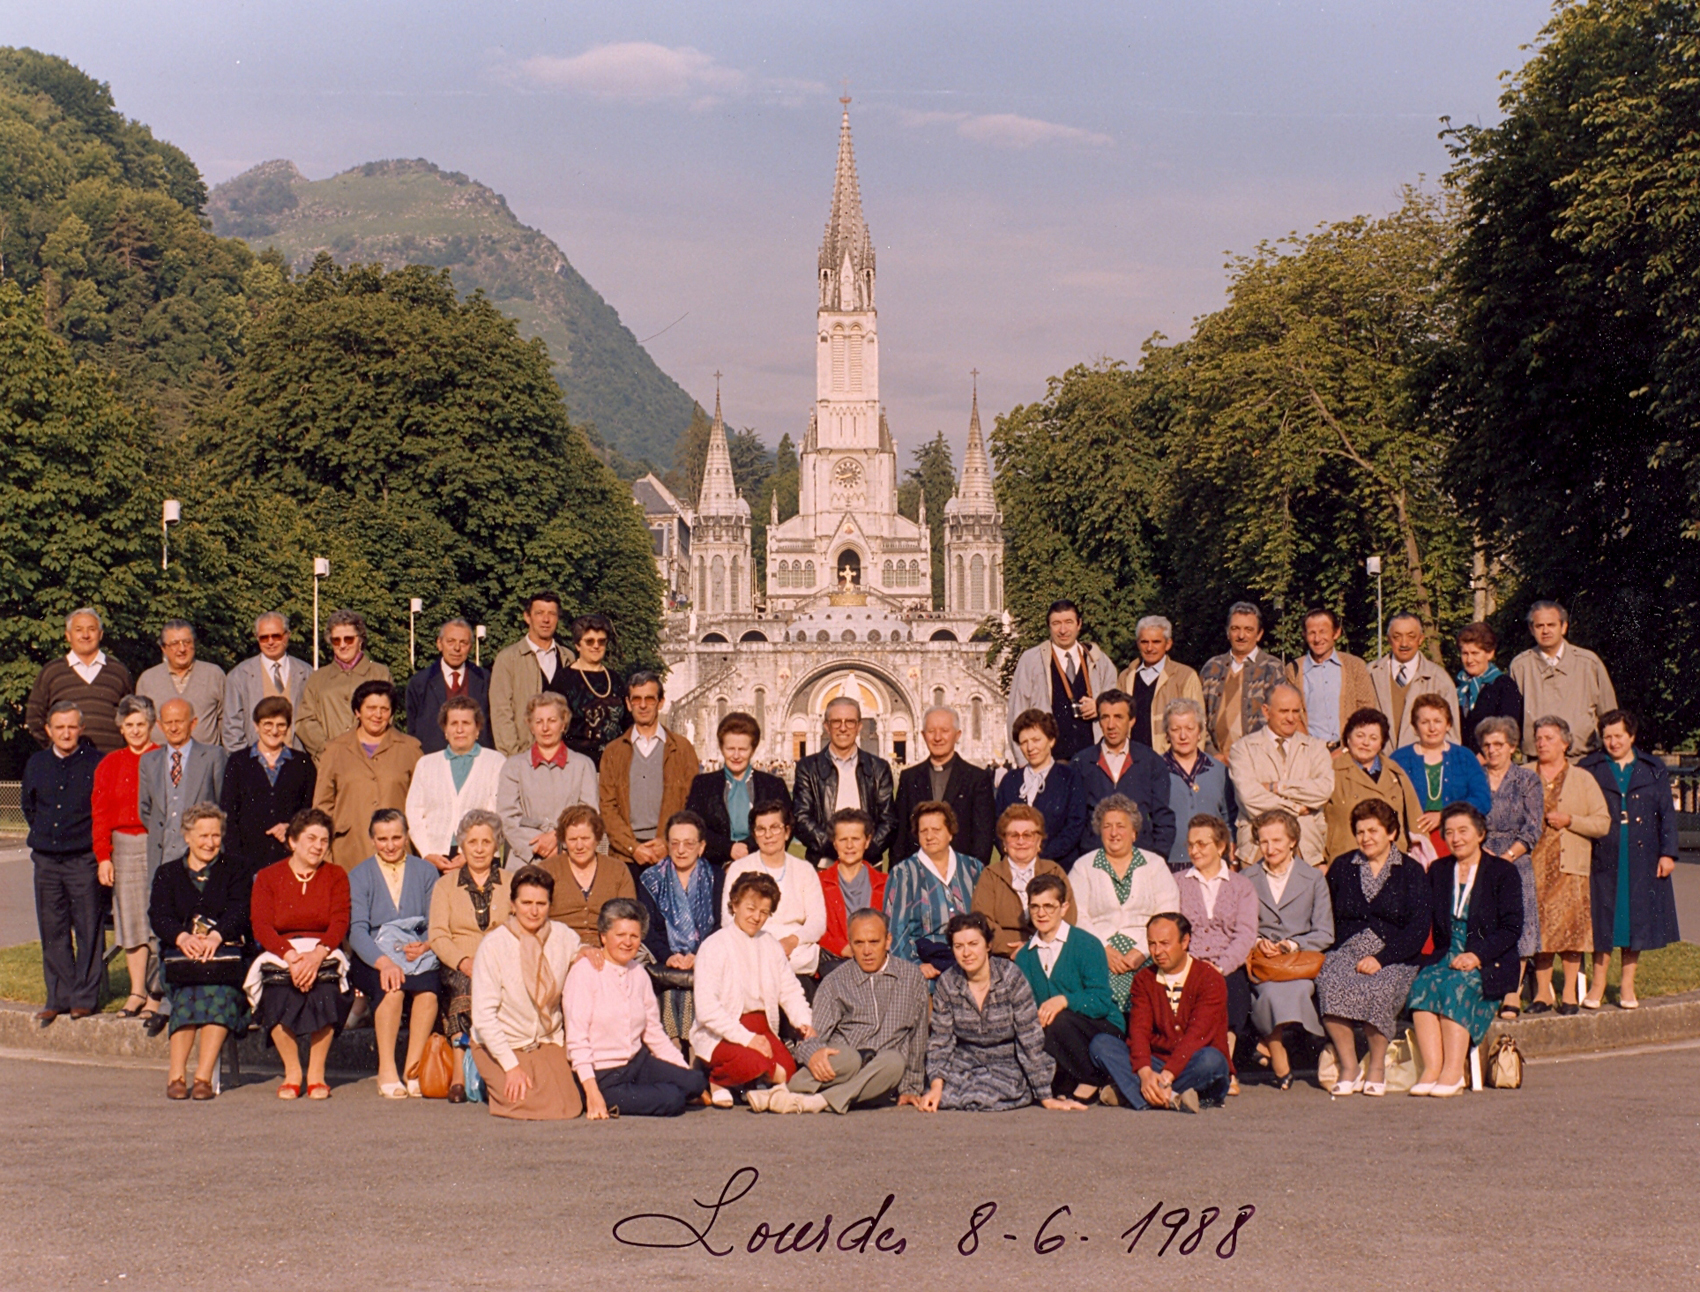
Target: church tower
[973,531]
[720,535]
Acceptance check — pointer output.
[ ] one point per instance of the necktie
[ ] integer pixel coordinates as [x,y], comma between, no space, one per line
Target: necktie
[1281,745]
[1404,675]
[454,682]
[176,767]
[1073,670]
[277,677]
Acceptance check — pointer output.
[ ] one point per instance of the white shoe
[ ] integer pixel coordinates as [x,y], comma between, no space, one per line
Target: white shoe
[758,1100]
[393,1090]
[1446,1092]
[781,1099]
[413,1090]
[811,1103]
[1344,1088]
[1423,1088]
[720,1097]
[1374,1089]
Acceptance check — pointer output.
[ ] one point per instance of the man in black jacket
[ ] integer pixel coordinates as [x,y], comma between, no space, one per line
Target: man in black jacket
[842,775]
[57,790]
[452,674]
[1118,765]
[946,777]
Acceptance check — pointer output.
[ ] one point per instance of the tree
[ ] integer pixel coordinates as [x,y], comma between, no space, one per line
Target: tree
[783,482]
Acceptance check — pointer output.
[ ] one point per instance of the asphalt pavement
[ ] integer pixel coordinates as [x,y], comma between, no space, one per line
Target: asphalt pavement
[1582,1179]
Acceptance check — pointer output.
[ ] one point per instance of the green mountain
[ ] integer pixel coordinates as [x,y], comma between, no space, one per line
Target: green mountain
[410,212]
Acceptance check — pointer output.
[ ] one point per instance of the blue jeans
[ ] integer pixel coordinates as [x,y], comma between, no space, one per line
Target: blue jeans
[1206,1072]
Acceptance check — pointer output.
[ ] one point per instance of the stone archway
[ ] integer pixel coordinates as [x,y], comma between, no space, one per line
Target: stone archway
[888,710]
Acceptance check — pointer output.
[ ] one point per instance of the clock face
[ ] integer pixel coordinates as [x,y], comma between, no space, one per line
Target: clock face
[847,473]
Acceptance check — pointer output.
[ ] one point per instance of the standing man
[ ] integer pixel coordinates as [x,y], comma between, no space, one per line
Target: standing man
[182,771]
[1281,765]
[57,790]
[1335,685]
[1063,677]
[645,777]
[86,679]
[1406,673]
[1558,677]
[182,675]
[842,776]
[946,777]
[1237,685]
[327,700]
[274,671]
[452,674]
[520,670]
[1119,764]
[1154,679]
[540,783]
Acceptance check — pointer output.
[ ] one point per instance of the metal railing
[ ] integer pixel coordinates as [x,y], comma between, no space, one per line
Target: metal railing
[11,803]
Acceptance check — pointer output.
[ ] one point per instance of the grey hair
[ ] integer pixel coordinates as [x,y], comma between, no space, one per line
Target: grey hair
[175,625]
[348,619]
[205,810]
[1506,727]
[622,908]
[1116,803]
[554,698]
[1185,704]
[475,818]
[78,613]
[1563,614]
[868,913]
[269,617]
[1397,615]
[643,677]
[844,699]
[459,621]
[1245,608]
[1556,723]
[955,718]
[136,704]
[1158,621]
[65,706]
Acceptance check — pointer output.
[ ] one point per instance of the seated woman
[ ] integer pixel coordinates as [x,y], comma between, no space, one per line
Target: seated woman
[1044,783]
[461,777]
[299,910]
[985,1048]
[199,911]
[800,918]
[518,1028]
[1441,771]
[1382,911]
[849,886]
[927,889]
[121,850]
[1003,890]
[1070,980]
[681,893]
[1221,905]
[1119,889]
[742,982]
[615,1041]
[389,928]
[470,901]
[1294,914]
[1361,772]
[584,878]
[726,799]
[1514,828]
[1478,917]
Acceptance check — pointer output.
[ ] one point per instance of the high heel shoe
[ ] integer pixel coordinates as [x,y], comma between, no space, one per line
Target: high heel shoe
[1423,1088]
[1446,1092]
[1284,1083]
[1352,1087]
[1588,1002]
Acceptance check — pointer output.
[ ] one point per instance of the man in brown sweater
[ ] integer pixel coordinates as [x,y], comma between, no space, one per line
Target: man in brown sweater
[87,678]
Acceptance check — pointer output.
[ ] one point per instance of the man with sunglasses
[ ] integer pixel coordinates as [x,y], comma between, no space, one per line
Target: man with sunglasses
[326,709]
[274,671]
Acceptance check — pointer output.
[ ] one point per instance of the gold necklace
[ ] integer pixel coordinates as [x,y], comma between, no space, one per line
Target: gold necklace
[585,673]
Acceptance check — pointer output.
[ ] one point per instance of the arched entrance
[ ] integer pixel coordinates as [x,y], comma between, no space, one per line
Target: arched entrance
[849,563]
[888,713]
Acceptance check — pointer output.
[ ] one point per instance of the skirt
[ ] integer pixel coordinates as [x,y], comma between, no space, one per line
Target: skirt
[365,980]
[1454,993]
[739,1065]
[553,1096]
[679,1016]
[208,1005]
[302,1013]
[455,1001]
[1374,999]
[1275,1004]
[1565,917]
[1530,942]
[130,891]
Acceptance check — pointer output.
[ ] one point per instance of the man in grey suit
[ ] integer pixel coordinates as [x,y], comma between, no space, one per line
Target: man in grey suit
[274,671]
[180,674]
[182,771]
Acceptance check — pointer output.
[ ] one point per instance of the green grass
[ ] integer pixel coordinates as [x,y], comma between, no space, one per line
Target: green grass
[1664,972]
[20,977]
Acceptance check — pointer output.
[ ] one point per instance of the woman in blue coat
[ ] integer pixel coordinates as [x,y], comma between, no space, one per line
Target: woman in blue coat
[1441,771]
[1630,890]
[1051,786]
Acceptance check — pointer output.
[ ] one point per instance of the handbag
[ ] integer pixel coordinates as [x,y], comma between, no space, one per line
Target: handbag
[1505,1065]
[1404,1063]
[226,967]
[437,1067]
[1283,966]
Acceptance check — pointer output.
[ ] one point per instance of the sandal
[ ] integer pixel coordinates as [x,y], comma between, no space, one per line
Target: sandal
[1510,1013]
[392,1090]
[287,1091]
[133,1011]
[1284,1083]
[318,1090]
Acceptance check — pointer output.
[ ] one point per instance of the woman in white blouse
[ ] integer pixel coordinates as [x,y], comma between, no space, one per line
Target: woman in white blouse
[742,981]
[452,782]
[1118,889]
[799,919]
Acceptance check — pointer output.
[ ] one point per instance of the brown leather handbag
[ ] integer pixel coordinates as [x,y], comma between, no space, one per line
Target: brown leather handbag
[437,1067]
[1284,966]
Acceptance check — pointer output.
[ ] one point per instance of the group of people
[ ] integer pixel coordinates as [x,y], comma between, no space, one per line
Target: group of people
[540,870]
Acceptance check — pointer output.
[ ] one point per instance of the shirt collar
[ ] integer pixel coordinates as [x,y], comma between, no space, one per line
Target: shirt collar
[1557,657]
[558,759]
[1062,936]
[1149,671]
[1073,652]
[1311,662]
[75,661]
[1221,876]
[855,757]
[535,649]
[1180,976]
[184,748]
[283,755]
[449,670]
[1236,663]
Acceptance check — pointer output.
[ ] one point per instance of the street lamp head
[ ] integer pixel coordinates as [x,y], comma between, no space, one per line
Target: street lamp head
[171,512]
[321,567]
[1373,565]
[416,604]
[479,632]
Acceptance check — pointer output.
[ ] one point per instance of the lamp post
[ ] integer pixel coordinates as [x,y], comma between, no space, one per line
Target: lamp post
[1373,566]
[321,570]
[414,606]
[478,645]
[169,515]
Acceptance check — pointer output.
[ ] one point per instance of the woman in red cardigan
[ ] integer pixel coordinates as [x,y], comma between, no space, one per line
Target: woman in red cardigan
[300,912]
[849,886]
[121,848]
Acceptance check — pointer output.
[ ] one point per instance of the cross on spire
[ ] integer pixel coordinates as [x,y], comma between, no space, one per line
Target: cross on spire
[845,97]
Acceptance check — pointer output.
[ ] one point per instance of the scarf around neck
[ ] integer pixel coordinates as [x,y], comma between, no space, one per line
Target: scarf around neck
[1470,688]
[540,981]
[1202,765]
[687,912]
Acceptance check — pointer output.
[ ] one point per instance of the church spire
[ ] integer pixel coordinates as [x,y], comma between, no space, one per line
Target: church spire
[847,244]
[974,491]
[719,495]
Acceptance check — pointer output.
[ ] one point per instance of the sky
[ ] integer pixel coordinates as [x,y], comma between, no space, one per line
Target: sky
[1046,185]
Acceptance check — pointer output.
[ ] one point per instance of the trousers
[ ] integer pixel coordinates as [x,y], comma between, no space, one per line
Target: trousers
[855,1080]
[1068,1040]
[70,906]
[1206,1072]
[645,1086]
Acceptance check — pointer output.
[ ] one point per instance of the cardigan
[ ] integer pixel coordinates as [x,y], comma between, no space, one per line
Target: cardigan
[1081,975]
[1356,691]
[968,791]
[1582,801]
[1144,779]
[530,799]
[1152,892]
[735,975]
[1062,803]
[112,803]
[176,900]
[252,805]
[98,701]
[578,909]
[203,689]
[611,1015]
[918,904]
[1494,920]
[370,905]
[1461,776]
[801,912]
[435,806]
[614,786]
[1400,915]
[1352,785]
[279,910]
[707,798]
[1156,1030]
[995,898]
[454,931]
[1223,938]
[1213,797]
[56,795]
[836,940]
[504,1017]
[1175,682]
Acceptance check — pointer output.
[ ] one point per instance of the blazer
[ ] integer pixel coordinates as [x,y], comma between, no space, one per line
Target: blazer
[997,900]
[1062,803]
[426,691]
[1426,678]
[1461,776]
[707,798]
[1352,785]
[1257,679]
[514,678]
[968,790]
[1144,779]
[370,906]
[1305,913]
[1401,914]
[252,805]
[1081,975]
[1356,689]
[326,708]
[352,786]
[836,940]
[614,785]
[814,798]
[454,931]
[1177,682]
[1494,921]
[245,686]
[435,806]
[1155,1030]
[1500,698]
[203,780]
[175,901]
[1030,687]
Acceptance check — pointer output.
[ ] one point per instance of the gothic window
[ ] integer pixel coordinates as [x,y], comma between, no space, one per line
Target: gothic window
[738,583]
[720,711]
[997,583]
[838,358]
[938,697]
[702,585]
[960,602]
[782,575]
[809,575]
[717,585]
[976,717]
[977,583]
[856,360]
[914,574]
[885,576]
[761,706]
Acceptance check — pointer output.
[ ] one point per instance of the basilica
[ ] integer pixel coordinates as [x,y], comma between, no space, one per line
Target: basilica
[847,607]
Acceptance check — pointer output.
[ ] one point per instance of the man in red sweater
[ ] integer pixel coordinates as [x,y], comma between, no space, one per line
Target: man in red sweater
[1176,1053]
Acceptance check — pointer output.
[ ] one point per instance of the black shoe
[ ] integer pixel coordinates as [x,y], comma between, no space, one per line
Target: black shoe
[1539,1007]
[1284,1083]
[1566,1010]
[155,1023]
[45,1017]
[457,1094]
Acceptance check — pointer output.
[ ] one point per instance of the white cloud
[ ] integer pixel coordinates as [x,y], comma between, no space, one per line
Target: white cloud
[638,70]
[1007,130]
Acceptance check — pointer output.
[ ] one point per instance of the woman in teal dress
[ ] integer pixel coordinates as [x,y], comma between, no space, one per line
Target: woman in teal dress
[1478,917]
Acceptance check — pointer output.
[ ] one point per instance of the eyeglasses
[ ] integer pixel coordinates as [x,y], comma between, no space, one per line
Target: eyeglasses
[1043,908]
[275,637]
[341,641]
